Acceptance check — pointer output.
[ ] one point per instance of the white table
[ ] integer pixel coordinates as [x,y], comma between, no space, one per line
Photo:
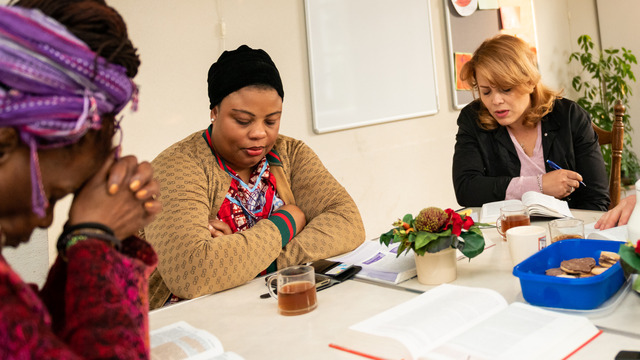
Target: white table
[251,327]
[493,269]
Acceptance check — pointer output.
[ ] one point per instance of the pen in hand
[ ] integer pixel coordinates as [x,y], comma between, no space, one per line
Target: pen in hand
[556,167]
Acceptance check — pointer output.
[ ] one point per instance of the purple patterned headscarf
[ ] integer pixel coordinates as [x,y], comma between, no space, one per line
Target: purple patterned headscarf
[50,88]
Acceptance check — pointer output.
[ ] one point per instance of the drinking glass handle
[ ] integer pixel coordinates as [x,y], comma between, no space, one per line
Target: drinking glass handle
[270,288]
[499,226]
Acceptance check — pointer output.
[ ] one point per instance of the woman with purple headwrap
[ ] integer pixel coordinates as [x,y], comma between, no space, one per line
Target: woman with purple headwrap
[65,72]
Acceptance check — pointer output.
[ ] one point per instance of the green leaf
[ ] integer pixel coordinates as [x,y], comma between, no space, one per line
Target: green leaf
[628,255]
[422,239]
[440,243]
[386,237]
[401,248]
[473,244]
[407,218]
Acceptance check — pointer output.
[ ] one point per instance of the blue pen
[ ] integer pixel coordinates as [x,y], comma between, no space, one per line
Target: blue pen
[555,166]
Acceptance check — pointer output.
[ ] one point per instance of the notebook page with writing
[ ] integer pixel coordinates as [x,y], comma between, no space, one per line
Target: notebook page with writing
[380,262]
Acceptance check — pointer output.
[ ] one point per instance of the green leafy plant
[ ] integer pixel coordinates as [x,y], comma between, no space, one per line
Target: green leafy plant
[607,78]
[630,261]
[435,229]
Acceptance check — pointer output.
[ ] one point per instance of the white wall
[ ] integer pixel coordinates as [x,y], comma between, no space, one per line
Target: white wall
[30,260]
[389,169]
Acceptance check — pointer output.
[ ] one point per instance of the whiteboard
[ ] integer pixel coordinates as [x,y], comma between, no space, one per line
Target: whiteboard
[370,61]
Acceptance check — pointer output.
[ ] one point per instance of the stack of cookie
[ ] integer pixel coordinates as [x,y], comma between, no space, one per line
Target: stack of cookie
[584,267]
[608,259]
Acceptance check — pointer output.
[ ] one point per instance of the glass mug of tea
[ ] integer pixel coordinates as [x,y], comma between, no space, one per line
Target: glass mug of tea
[510,217]
[296,287]
[566,228]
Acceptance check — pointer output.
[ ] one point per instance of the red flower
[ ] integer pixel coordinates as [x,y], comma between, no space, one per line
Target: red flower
[455,221]
[468,222]
[638,248]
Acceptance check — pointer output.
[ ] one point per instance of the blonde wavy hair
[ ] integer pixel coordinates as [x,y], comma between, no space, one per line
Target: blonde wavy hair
[508,62]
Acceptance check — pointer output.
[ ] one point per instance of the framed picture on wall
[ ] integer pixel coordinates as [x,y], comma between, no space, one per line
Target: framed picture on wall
[466,30]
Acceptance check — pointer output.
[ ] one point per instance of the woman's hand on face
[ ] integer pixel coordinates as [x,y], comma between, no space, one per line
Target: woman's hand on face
[560,183]
[298,216]
[219,228]
[121,195]
[617,216]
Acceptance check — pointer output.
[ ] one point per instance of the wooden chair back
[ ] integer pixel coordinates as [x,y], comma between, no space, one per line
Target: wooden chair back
[615,137]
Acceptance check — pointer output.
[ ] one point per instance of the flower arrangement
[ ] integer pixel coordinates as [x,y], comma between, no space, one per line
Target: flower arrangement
[434,229]
[630,256]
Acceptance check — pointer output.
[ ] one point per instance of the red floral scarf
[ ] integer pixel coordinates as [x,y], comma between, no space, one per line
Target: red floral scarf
[246,204]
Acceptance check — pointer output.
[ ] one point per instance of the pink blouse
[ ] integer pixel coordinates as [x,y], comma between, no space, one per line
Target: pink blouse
[530,168]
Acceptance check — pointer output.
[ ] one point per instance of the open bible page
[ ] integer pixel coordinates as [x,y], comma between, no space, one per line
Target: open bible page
[545,205]
[434,317]
[491,211]
[518,332]
[618,233]
[180,340]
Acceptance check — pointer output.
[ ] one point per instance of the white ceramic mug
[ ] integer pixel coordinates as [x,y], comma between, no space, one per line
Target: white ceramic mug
[525,241]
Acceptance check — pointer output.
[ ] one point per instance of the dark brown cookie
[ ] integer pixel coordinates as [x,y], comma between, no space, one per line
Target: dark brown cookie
[578,265]
[554,272]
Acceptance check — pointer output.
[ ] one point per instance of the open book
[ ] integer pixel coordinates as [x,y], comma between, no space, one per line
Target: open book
[538,204]
[618,233]
[458,322]
[182,341]
[379,262]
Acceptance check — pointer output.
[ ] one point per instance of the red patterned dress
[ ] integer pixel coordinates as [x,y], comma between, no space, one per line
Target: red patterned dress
[94,306]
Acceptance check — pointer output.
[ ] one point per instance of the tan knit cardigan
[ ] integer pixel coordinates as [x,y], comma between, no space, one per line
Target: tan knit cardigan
[193,186]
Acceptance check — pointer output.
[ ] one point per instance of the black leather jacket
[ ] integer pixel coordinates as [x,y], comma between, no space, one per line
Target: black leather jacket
[485,161]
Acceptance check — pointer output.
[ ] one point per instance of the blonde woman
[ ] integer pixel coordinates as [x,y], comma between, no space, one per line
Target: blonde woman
[511,136]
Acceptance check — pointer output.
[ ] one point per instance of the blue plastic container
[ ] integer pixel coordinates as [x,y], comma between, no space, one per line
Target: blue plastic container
[580,294]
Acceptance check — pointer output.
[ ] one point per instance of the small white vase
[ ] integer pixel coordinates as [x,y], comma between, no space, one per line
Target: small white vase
[436,268]
[633,226]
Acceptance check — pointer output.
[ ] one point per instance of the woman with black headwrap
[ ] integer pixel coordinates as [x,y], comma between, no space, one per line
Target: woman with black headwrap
[65,72]
[239,199]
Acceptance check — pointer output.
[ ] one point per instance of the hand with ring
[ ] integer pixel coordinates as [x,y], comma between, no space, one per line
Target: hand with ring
[560,183]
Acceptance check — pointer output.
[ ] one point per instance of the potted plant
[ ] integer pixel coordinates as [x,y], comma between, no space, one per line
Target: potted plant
[608,74]
[433,236]
[630,261]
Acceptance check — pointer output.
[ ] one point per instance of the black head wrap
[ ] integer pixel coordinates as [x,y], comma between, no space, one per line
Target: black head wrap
[242,67]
